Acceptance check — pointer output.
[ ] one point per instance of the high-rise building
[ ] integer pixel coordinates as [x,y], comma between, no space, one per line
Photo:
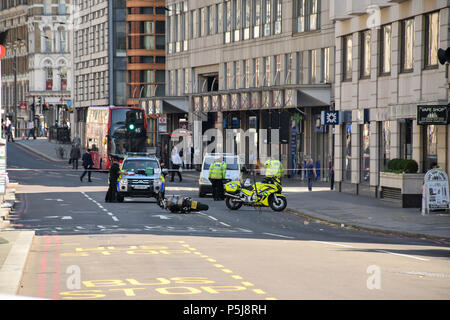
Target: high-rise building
[118,54]
[253,65]
[37,69]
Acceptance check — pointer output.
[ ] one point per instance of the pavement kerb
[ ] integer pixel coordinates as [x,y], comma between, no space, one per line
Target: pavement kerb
[361,228]
[40,153]
[12,269]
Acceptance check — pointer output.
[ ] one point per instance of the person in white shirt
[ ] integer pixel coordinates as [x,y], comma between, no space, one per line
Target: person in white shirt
[30,129]
[176,164]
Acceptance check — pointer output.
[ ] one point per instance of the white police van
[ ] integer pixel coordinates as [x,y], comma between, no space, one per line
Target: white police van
[233,170]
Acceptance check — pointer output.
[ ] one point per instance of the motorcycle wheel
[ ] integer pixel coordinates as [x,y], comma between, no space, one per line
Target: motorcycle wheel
[231,204]
[277,205]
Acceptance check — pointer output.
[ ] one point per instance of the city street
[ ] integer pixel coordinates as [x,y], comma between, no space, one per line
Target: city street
[85,248]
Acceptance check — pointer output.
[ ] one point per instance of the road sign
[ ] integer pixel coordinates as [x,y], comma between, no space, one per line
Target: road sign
[2,51]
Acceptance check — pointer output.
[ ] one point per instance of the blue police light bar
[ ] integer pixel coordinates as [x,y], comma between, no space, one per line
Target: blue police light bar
[140,154]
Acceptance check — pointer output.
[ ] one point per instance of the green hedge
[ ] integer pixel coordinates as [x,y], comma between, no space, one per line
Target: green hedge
[402,166]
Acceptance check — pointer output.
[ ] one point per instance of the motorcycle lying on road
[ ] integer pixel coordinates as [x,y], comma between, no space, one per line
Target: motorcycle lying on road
[178,204]
[260,194]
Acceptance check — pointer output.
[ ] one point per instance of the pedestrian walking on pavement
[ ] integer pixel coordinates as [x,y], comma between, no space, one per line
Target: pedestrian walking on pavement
[75,154]
[9,133]
[176,164]
[114,172]
[31,129]
[217,173]
[310,173]
[87,165]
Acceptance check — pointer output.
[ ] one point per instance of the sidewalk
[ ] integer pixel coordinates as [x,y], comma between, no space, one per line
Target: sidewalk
[46,149]
[360,212]
[14,247]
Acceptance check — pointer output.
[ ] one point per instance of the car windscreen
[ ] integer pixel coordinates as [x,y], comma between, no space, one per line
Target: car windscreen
[232,163]
[133,165]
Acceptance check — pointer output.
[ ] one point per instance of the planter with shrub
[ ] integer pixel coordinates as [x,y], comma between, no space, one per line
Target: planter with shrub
[401,183]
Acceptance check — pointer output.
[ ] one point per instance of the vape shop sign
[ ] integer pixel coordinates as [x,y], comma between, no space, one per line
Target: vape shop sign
[435,193]
[432,115]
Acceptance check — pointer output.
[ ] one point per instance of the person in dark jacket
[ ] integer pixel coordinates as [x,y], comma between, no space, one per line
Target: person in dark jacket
[114,172]
[75,154]
[87,165]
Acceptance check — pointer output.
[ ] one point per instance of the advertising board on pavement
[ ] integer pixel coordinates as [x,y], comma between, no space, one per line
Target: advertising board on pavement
[435,191]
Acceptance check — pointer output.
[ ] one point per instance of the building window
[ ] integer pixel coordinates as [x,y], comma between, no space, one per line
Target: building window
[227,22]
[365,153]
[277,70]
[365,54]
[347,143]
[306,15]
[63,78]
[277,16]
[386,143]
[347,48]
[288,68]
[266,17]
[267,72]
[312,66]
[431,39]
[48,78]
[248,75]
[237,73]
[229,74]
[256,18]
[237,19]
[257,72]
[325,65]
[247,18]
[385,47]
[407,45]
[210,20]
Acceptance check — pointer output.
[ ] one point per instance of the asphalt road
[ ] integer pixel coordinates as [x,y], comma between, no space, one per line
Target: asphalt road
[88,249]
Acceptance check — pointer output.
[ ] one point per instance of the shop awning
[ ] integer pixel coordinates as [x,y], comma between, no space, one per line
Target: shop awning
[314,97]
[175,105]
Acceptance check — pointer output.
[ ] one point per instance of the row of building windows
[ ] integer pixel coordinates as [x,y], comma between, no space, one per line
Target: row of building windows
[91,86]
[406,31]
[237,20]
[91,40]
[8,93]
[265,71]
[54,41]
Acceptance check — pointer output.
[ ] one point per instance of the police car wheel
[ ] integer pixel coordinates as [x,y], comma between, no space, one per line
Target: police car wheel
[120,198]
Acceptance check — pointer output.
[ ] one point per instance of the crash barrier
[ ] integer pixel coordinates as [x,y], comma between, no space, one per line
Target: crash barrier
[61,135]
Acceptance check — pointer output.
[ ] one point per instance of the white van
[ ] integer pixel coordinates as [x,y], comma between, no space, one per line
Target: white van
[233,170]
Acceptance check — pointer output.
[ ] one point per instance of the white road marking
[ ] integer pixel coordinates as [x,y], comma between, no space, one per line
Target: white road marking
[277,235]
[115,219]
[403,255]
[334,244]
[223,223]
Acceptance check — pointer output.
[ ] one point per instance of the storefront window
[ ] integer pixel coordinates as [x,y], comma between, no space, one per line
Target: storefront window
[386,143]
[365,153]
[406,139]
[347,143]
[430,146]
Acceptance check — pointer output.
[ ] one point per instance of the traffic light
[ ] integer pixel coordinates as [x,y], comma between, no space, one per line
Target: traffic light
[131,121]
[39,101]
[46,107]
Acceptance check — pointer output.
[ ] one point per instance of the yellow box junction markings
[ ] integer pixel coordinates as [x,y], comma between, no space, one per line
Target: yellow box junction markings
[153,250]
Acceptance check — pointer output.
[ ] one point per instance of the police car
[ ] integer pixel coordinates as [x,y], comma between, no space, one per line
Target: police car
[141,176]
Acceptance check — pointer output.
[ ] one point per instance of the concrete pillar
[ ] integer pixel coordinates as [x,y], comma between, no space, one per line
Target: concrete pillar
[417,144]
[442,146]
[395,139]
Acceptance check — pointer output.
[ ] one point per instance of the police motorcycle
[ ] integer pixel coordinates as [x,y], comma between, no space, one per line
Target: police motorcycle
[259,194]
[179,204]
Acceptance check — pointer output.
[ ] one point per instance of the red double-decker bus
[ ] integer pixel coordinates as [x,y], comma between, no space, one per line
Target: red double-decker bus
[107,133]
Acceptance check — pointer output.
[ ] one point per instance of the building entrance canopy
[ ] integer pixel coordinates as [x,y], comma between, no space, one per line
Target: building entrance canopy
[166,105]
